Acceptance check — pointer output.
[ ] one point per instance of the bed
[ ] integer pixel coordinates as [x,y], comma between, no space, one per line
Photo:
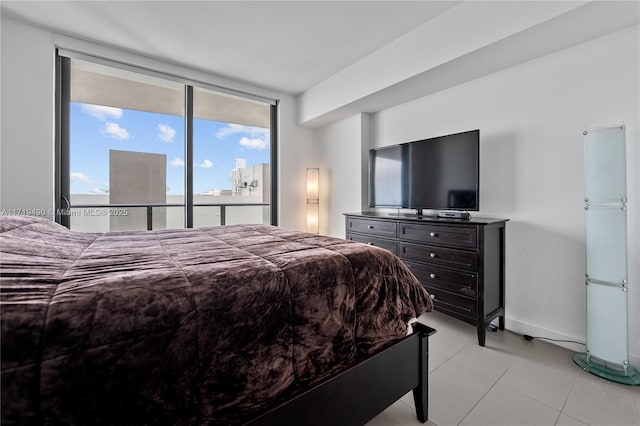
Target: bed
[238,324]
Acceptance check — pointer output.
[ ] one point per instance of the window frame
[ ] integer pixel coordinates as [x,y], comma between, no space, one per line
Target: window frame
[62,142]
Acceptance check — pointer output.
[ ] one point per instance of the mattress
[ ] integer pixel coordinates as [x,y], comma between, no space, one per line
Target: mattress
[209,325]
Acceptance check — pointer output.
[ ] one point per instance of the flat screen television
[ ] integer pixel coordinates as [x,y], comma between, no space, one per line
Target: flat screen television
[440,173]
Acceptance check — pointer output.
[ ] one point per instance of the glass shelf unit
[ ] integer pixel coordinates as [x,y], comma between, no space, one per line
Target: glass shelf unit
[607,347]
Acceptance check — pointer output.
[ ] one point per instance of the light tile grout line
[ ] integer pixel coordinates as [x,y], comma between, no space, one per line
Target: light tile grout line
[485,394]
[441,364]
[541,402]
[518,357]
[515,390]
[560,412]
[573,385]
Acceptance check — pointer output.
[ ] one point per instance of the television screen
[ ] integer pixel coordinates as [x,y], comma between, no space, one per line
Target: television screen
[443,172]
[388,177]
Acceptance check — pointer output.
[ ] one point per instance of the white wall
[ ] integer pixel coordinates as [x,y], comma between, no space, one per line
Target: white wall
[28,122]
[531,119]
[294,158]
[27,138]
[338,154]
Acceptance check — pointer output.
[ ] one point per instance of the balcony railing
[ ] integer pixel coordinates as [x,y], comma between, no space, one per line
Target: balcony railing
[123,210]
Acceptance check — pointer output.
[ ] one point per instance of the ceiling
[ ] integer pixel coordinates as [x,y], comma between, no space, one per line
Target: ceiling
[338,57]
[287,46]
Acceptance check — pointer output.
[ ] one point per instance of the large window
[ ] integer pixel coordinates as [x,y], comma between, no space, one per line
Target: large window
[137,151]
[231,155]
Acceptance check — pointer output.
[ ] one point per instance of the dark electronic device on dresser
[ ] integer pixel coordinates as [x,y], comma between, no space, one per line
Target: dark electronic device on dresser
[454,214]
[440,173]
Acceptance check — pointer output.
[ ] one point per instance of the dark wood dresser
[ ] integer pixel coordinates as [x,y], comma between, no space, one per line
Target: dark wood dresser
[460,262]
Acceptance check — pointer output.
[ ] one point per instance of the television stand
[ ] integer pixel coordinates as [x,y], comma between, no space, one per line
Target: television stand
[460,262]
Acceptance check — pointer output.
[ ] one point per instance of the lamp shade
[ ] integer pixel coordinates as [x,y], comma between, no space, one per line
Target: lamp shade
[313,213]
[313,176]
[313,201]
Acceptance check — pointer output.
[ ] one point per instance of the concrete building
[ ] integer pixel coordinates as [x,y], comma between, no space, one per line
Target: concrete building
[140,178]
[253,181]
[137,178]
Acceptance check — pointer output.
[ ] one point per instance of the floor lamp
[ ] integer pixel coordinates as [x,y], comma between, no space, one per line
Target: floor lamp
[313,200]
[607,346]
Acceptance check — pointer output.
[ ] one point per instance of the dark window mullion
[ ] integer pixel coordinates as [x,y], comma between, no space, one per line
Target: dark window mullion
[274,164]
[62,142]
[188,154]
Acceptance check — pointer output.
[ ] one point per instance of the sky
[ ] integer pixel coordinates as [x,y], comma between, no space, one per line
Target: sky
[97,129]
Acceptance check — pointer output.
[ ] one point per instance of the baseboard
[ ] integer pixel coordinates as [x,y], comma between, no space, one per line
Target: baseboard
[521,327]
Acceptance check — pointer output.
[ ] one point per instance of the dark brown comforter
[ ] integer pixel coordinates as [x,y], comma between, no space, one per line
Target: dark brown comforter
[185,326]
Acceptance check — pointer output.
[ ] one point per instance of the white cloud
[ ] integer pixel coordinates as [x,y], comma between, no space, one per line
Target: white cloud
[254,143]
[166,133]
[101,112]
[80,177]
[206,164]
[252,131]
[176,162]
[116,131]
[102,190]
[256,137]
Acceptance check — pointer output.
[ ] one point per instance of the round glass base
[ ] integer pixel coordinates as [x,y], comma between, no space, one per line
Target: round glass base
[632,378]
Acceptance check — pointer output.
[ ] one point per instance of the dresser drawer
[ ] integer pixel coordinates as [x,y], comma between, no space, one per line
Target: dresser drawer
[449,302]
[373,227]
[437,255]
[458,282]
[373,241]
[466,237]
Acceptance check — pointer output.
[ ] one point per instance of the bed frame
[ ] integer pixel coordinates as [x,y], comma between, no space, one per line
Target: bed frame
[356,395]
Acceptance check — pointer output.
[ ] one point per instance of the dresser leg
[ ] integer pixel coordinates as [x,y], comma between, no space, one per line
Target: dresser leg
[482,333]
[501,322]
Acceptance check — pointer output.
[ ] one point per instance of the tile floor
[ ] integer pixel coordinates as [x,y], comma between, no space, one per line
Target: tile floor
[510,382]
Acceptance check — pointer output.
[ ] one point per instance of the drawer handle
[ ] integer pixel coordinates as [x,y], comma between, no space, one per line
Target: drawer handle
[432,234]
[433,296]
[432,255]
[371,244]
[432,276]
[370,227]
